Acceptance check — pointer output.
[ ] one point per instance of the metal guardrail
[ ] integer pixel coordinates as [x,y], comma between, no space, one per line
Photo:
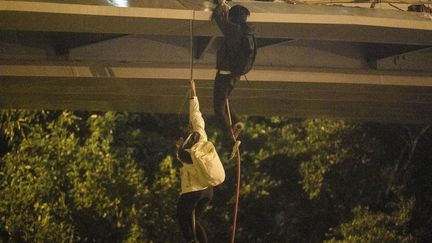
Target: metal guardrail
[359,1]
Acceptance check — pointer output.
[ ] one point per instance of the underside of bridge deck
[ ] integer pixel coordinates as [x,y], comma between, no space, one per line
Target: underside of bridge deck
[313,60]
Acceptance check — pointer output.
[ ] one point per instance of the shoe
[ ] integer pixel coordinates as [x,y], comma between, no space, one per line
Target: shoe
[234,150]
[237,128]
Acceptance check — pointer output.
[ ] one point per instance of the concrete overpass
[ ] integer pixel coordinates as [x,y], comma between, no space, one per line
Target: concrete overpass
[313,61]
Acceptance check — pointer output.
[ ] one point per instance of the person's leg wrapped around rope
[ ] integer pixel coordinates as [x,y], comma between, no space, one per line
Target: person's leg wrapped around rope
[223,86]
[189,203]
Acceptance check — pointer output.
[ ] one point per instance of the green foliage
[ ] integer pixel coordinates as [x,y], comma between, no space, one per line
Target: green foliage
[16,124]
[314,172]
[112,177]
[165,191]
[58,186]
[31,195]
[319,146]
[325,145]
[369,226]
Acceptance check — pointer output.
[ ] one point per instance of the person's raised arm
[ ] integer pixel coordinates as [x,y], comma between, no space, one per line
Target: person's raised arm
[229,29]
[195,117]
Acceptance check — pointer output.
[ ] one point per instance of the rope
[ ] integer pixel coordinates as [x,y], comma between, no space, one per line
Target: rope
[191,63]
[194,226]
[237,195]
[191,66]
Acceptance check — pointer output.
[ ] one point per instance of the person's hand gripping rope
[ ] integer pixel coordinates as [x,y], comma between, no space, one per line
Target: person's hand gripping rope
[192,85]
[225,7]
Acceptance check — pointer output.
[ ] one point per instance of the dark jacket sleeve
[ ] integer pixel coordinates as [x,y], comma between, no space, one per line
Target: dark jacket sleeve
[232,31]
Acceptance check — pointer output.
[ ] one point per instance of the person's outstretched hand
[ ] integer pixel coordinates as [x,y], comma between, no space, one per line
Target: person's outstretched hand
[225,7]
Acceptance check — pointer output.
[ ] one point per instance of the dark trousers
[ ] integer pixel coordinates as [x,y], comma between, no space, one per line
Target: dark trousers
[188,204]
[223,85]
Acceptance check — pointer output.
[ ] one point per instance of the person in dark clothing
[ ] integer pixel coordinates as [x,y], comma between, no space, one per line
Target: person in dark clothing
[233,25]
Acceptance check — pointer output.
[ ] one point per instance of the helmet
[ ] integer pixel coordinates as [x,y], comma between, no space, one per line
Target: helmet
[238,11]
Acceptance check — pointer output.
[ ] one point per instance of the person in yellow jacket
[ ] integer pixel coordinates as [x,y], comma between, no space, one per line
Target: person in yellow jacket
[194,196]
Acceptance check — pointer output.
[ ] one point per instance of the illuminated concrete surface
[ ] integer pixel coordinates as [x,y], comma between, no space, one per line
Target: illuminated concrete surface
[313,61]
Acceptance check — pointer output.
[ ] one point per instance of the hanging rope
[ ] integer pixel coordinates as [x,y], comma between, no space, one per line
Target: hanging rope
[192,90]
[237,194]
[191,62]
[191,45]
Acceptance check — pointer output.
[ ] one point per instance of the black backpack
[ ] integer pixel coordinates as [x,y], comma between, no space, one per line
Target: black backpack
[244,56]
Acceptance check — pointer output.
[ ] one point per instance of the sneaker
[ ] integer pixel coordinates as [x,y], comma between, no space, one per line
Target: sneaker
[234,150]
[237,128]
